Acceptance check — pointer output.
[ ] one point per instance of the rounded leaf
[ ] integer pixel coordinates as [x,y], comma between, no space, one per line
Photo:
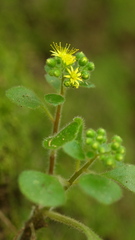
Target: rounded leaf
[23,97]
[41,188]
[124,174]
[101,188]
[54,99]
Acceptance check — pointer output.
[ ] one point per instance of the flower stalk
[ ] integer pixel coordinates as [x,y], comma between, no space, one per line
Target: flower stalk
[72,223]
[77,174]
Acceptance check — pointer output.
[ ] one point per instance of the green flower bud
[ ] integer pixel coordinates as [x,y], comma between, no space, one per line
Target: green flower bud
[83,61]
[119,157]
[51,62]
[67,83]
[101,149]
[90,133]
[57,72]
[121,150]
[116,138]
[51,72]
[90,66]
[58,60]
[79,55]
[101,131]
[115,146]
[85,74]
[74,85]
[95,145]
[89,141]
[110,161]
[101,138]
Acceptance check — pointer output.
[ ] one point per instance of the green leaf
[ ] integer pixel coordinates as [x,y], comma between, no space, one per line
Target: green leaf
[125,175]
[79,137]
[87,84]
[41,188]
[53,81]
[54,99]
[101,188]
[74,149]
[23,97]
[67,134]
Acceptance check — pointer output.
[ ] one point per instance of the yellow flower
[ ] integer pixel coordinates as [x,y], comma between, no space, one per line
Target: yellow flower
[65,53]
[74,76]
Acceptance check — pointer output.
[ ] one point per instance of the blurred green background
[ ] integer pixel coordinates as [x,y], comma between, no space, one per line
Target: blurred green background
[105,31]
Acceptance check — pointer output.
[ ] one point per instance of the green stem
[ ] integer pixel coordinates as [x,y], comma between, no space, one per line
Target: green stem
[55,130]
[72,223]
[80,171]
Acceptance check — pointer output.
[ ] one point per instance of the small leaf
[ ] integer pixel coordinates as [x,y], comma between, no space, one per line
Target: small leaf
[41,188]
[54,99]
[53,81]
[87,84]
[74,149]
[67,134]
[99,187]
[23,97]
[125,175]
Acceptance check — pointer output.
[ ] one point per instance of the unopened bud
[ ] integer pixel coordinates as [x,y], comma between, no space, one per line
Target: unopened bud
[51,62]
[83,61]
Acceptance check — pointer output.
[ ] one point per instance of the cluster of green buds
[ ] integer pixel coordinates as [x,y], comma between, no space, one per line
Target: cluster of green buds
[108,153]
[53,66]
[73,69]
[85,66]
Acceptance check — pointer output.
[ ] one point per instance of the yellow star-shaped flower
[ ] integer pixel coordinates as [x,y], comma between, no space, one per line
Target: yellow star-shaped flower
[74,76]
[65,53]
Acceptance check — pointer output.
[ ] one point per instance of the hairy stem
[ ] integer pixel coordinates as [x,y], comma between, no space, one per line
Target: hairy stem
[55,130]
[72,223]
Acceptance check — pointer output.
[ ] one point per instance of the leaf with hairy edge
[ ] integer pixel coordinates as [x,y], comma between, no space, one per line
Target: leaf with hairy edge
[23,97]
[41,188]
[67,134]
[124,174]
[54,99]
[101,188]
